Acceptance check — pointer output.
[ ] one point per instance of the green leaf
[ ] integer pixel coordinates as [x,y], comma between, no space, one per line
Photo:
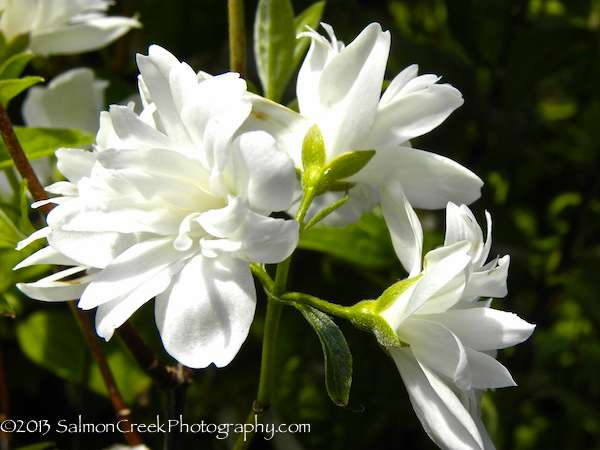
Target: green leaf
[9,233]
[325,212]
[365,243]
[40,142]
[309,17]
[313,156]
[338,360]
[6,309]
[274,43]
[52,339]
[13,87]
[13,66]
[346,165]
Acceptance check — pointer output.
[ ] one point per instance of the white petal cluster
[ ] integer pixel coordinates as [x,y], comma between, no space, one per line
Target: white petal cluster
[339,89]
[173,203]
[453,338]
[63,26]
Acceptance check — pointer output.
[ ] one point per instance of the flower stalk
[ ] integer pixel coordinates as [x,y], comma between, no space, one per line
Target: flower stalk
[237,37]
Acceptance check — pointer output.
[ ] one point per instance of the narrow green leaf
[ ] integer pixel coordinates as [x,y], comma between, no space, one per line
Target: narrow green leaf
[313,156]
[13,66]
[309,17]
[9,233]
[365,243]
[325,212]
[13,87]
[345,165]
[40,142]
[274,43]
[338,359]
[6,309]
[26,225]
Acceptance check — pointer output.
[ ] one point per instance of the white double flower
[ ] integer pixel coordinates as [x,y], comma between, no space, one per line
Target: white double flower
[63,26]
[173,204]
[453,338]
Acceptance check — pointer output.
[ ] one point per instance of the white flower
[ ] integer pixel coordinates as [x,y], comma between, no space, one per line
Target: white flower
[172,204]
[339,89]
[63,26]
[452,340]
[73,99]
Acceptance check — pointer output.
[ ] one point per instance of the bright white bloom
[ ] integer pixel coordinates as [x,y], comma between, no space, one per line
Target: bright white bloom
[453,339]
[63,26]
[73,99]
[339,88]
[172,204]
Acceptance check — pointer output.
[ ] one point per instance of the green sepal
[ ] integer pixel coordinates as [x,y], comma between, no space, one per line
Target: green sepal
[14,65]
[16,45]
[367,314]
[338,359]
[274,43]
[325,212]
[392,293]
[346,165]
[309,17]
[40,142]
[313,157]
[14,86]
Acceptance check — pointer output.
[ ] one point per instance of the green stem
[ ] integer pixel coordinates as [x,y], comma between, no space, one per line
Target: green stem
[344,312]
[237,37]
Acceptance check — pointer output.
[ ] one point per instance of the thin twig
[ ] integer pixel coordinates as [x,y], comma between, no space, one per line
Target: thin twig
[164,376]
[237,37]
[123,413]
[21,162]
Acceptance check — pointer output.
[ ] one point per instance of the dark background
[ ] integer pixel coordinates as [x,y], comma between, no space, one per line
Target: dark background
[530,128]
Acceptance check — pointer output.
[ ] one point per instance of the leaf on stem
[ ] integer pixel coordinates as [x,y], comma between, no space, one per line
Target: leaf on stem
[274,43]
[313,156]
[338,360]
[40,142]
[9,232]
[13,66]
[13,87]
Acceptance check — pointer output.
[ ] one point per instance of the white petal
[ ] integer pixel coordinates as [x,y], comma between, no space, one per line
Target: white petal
[442,415]
[487,372]
[429,181]
[442,285]
[90,249]
[75,163]
[413,114]
[155,70]
[485,329]
[46,255]
[398,83]
[286,126]
[491,282]
[437,347]
[51,289]
[142,271]
[41,233]
[81,37]
[405,228]
[349,91]
[270,171]
[205,316]
[135,133]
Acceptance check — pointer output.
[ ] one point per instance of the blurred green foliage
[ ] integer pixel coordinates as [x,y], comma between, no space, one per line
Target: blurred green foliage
[530,128]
